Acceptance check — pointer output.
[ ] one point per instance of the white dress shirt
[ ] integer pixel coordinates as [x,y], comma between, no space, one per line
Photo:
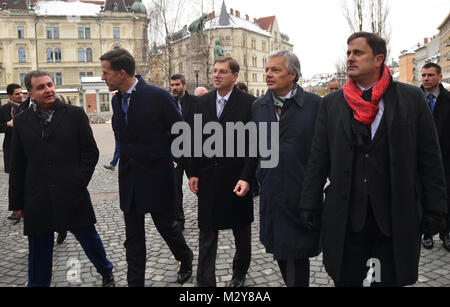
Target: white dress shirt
[218,98]
[376,123]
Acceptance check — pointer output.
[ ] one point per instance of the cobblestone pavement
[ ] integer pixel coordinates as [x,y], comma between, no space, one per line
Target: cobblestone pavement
[161,265]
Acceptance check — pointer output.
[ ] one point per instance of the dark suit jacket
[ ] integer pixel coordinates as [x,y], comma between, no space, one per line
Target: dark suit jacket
[49,176]
[218,206]
[441,115]
[188,105]
[5,117]
[146,172]
[416,174]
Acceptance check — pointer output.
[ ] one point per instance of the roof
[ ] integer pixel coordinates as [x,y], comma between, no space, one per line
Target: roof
[62,8]
[444,22]
[266,23]
[236,23]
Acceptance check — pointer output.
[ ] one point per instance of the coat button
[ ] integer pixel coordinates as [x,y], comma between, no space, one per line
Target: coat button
[365,180]
[366,156]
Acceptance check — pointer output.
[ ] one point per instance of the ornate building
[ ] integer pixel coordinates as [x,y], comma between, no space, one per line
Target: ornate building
[67,39]
[191,51]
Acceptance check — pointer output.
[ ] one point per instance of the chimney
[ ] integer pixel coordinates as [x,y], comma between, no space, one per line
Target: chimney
[425,40]
[231,12]
[247,17]
[238,14]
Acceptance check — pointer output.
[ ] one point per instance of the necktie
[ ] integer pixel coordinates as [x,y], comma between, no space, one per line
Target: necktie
[367,95]
[125,105]
[222,102]
[432,102]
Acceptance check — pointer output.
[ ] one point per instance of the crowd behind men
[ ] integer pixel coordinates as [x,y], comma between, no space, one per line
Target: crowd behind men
[382,145]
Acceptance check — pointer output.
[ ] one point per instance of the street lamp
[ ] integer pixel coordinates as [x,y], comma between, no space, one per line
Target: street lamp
[196,70]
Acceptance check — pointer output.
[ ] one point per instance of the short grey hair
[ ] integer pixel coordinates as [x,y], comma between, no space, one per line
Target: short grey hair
[292,62]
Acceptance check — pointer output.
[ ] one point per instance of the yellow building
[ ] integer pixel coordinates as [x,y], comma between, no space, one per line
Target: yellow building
[66,39]
[192,54]
[444,37]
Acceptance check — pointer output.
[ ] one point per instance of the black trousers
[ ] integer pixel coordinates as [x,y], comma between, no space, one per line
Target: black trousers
[179,212]
[135,243]
[295,272]
[206,270]
[359,247]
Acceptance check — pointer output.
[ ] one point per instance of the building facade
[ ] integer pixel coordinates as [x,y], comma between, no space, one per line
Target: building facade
[407,67]
[66,39]
[193,54]
[444,39]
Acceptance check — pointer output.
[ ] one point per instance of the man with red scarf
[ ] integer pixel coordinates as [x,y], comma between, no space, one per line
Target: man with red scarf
[377,143]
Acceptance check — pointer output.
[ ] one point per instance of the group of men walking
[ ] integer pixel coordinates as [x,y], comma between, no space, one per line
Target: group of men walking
[383,147]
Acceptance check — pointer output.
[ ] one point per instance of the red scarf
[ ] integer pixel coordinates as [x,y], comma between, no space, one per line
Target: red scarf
[364,111]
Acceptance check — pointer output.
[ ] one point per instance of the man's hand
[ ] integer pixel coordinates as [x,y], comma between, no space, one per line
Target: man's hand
[193,184]
[242,188]
[308,219]
[19,213]
[10,123]
[175,165]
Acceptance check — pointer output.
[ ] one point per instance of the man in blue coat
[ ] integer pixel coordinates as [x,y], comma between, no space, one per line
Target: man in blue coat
[286,104]
[143,117]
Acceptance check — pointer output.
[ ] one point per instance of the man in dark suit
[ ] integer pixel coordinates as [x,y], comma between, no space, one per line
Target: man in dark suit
[377,143]
[53,157]
[185,104]
[222,183]
[288,107]
[439,102]
[7,114]
[143,117]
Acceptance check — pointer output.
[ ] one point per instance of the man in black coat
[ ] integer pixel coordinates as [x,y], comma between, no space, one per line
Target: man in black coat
[222,183]
[143,118]
[53,157]
[377,143]
[7,114]
[293,111]
[185,104]
[439,101]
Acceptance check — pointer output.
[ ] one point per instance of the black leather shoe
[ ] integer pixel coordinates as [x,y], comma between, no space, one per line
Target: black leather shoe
[237,282]
[427,242]
[108,281]
[185,272]
[13,217]
[446,242]
[61,237]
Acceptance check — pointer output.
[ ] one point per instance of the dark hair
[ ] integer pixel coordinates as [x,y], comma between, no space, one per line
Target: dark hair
[11,88]
[234,65]
[179,77]
[376,42]
[242,86]
[34,74]
[433,65]
[120,59]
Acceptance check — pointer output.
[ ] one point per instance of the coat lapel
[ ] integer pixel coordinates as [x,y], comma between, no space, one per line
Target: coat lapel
[230,105]
[33,122]
[390,104]
[211,108]
[57,117]
[441,114]
[345,116]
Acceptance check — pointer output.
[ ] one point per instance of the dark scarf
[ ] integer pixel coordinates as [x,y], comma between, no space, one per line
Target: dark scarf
[279,102]
[365,105]
[45,116]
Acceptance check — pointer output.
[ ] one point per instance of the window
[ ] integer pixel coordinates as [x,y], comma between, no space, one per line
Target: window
[52,76]
[88,55]
[116,32]
[116,47]
[52,32]
[49,54]
[20,32]
[104,103]
[81,55]
[264,46]
[58,80]
[80,33]
[180,67]
[22,79]
[89,74]
[57,55]
[82,75]
[22,55]
[87,33]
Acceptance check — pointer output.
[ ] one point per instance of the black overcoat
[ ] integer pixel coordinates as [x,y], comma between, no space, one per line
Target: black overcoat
[416,174]
[49,176]
[5,117]
[218,206]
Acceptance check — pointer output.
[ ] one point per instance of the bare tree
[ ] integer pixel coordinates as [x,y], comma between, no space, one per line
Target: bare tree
[353,11]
